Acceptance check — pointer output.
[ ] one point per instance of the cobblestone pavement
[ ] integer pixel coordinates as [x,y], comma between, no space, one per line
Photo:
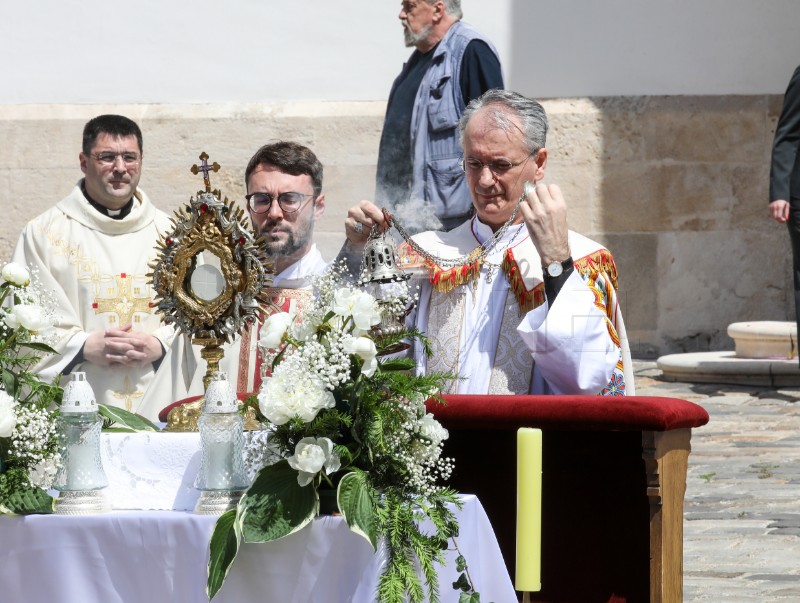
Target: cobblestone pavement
[742,508]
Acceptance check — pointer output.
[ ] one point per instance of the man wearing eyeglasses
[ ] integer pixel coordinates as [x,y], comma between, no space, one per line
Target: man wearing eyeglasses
[92,250]
[284,201]
[419,148]
[513,302]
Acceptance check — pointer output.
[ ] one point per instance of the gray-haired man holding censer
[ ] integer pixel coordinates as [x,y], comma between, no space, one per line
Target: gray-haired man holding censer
[514,301]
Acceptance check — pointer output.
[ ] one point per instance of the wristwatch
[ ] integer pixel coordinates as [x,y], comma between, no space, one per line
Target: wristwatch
[556,269]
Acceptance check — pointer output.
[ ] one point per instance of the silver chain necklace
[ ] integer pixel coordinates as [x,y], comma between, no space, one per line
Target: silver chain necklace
[491,267]
[477,254]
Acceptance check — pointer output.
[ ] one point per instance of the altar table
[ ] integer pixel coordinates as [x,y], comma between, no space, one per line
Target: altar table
[161,556]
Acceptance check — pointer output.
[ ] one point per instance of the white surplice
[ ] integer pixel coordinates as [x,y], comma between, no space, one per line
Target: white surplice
[577,346]
[96,268]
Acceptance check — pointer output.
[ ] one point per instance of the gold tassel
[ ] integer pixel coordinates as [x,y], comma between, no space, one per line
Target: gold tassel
[527,299]
[445,281]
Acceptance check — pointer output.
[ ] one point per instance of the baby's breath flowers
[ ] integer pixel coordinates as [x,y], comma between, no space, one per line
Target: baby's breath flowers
[344,412]
[29,458]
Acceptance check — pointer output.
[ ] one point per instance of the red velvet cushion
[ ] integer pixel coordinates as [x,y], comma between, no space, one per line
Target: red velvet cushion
[590,413]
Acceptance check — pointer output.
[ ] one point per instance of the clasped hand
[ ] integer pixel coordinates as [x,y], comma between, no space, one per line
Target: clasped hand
[121,348]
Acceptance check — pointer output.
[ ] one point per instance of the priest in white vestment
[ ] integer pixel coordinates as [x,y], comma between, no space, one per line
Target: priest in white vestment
[91,251]
[284,202]
[512,300]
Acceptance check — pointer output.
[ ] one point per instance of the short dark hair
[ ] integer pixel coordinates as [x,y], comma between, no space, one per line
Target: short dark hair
[290,158]
[116,125]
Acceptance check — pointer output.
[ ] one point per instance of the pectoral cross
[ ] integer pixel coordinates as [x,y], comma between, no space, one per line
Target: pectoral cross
[205,168]
[124,305]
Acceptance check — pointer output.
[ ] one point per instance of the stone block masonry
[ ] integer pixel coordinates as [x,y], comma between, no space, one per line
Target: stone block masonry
[675,186]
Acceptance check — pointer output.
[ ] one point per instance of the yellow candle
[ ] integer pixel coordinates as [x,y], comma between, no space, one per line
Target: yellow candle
[529,510]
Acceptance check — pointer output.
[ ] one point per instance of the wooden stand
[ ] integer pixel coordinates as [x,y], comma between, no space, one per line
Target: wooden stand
[613,483]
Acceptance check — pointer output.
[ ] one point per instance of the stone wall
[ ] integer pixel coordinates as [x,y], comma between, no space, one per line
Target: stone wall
[676,187]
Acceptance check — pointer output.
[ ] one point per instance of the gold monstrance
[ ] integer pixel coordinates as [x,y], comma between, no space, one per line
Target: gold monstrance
[208,276]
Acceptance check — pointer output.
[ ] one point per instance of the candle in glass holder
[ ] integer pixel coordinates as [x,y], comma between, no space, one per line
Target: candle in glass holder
[529,510]
[218,452]
[221,439]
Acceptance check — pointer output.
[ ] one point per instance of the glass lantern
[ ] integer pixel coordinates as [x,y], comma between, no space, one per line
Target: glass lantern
[81,479]
[222,478]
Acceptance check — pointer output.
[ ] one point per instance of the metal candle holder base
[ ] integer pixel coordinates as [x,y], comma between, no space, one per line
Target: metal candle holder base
[82,502]
[216,502]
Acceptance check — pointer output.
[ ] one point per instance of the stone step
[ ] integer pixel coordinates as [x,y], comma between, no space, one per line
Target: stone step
[766,355]
[727,367]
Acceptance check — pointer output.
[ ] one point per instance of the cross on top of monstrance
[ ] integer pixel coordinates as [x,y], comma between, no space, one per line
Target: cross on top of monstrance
[209,277]
[205,168]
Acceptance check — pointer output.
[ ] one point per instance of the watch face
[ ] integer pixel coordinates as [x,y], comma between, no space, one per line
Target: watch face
[555,269]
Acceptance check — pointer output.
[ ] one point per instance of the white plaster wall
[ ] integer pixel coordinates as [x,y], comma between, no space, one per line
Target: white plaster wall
[246,51]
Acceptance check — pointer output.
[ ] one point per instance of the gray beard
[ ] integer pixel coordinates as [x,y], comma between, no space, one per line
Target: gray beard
[412,39]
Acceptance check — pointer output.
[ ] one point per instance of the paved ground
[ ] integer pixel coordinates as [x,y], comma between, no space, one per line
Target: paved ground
[742,508]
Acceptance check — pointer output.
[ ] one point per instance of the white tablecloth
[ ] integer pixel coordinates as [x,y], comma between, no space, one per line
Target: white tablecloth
[161,556]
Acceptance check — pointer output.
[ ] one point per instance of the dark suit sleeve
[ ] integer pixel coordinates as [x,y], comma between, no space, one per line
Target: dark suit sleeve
[787,137]
[480,70]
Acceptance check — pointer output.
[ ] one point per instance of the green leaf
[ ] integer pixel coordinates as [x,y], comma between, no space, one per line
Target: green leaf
[28,500]
[397,364]
[126,420]
[469,598]
[355,502]
[276,505]
[461,563]
[9,382]
[462,583]
[39,347]
[224,545]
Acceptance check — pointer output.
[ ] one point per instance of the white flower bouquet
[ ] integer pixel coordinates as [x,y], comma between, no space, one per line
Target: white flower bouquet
[347,422]
[29,457]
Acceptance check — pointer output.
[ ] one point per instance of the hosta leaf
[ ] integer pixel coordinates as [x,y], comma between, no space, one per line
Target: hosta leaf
[126,421]
[276,505]
[28,501]
[223,547]
[355,503]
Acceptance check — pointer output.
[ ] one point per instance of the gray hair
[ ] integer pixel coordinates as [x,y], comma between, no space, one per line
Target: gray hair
[503,104]
[451,7]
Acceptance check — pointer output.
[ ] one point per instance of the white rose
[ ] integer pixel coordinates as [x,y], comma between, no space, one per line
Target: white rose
[273,330]
[8,418]
[33,318]
[16,274]
[310,456]
[431,429]
[286,395]
[358,304]
[364,348]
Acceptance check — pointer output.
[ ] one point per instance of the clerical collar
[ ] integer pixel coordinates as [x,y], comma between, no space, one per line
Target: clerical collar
[114,214]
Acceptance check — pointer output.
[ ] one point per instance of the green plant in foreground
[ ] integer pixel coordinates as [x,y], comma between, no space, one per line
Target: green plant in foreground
[344,415]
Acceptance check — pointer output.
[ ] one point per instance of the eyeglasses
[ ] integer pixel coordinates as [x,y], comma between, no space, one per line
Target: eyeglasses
[497,167]
[111,158]
[289,202]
